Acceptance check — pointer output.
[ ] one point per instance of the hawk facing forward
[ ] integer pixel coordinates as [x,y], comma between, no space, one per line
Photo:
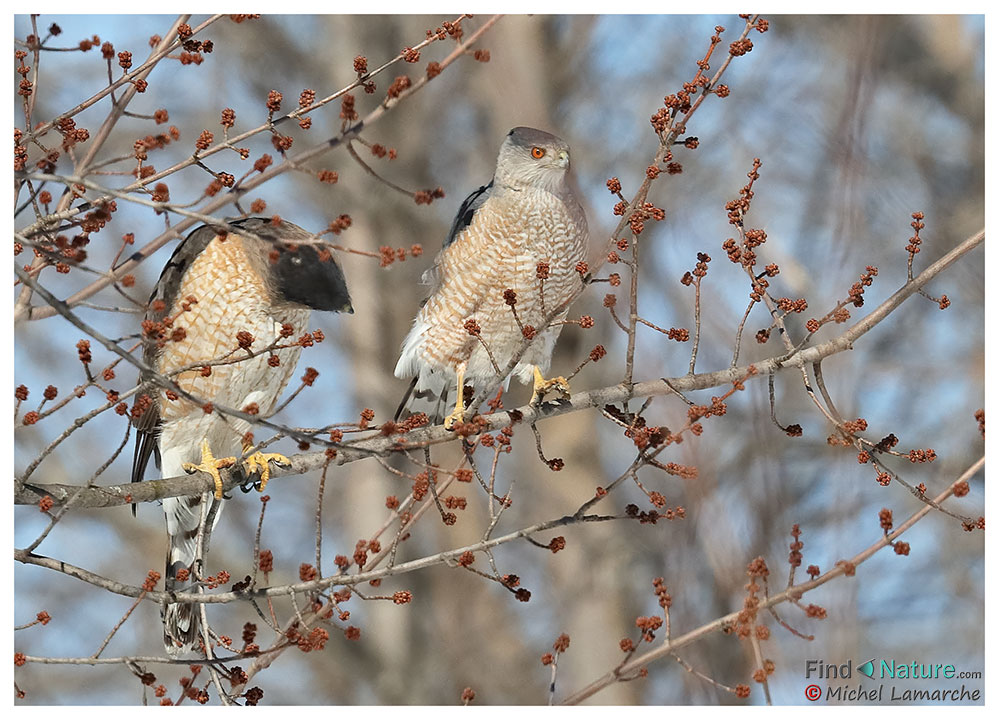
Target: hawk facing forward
[222,307]
[526,216]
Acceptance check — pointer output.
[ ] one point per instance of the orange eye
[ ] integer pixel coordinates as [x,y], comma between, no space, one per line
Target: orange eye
[537,153]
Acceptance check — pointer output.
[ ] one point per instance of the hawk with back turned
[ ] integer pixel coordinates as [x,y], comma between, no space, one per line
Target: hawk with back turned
[526,215]
[225,301]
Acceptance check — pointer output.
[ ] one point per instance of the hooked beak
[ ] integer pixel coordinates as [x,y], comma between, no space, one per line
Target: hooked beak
[563,160]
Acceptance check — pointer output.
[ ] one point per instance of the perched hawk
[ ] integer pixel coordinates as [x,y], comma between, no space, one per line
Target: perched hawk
[525,216]
[255,280]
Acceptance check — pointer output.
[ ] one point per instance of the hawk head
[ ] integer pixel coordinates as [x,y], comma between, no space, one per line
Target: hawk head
[532,158]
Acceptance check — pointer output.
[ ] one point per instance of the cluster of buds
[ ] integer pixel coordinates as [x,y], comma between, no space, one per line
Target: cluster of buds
[795,558]
[425,197]
[398,87]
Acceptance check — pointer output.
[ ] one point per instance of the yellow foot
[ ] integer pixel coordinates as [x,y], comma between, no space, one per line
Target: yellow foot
[259,463]
[542,387]
[211,465]
[458,416]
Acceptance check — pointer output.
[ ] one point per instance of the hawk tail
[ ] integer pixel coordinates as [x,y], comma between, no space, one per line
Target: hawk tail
[426,401]
[181,621]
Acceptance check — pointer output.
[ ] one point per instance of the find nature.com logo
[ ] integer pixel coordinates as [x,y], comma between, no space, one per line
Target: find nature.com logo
[886,672]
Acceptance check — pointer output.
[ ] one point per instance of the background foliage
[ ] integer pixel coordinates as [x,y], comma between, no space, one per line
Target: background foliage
[858,121]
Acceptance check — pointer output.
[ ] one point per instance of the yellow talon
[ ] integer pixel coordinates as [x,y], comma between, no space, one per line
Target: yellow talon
[542,387]
[259,462]
[211,465]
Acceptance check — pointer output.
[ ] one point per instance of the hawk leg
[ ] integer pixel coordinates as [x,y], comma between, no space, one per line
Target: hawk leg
[259,463]
[458,414]
[542,387]
[211,465]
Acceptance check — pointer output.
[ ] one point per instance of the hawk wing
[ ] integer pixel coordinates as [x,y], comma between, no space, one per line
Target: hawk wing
[147,425]
[462,220]
[468,207]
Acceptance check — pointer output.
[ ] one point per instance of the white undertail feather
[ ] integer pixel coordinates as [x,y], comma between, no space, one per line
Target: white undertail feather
[410,363]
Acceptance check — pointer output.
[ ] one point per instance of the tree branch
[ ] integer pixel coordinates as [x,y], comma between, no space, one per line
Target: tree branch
[152,490]
[793,593]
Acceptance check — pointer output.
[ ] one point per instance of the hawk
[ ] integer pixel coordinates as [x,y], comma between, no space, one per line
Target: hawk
[509,261]
[222,323]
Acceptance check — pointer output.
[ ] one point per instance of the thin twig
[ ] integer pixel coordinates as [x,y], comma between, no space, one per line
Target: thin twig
[792,593]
